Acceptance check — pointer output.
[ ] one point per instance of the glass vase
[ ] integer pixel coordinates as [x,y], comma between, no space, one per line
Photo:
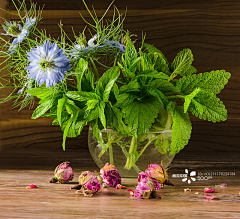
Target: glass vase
[153,148]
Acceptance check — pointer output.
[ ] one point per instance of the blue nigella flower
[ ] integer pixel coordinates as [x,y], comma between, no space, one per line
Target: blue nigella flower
[48,64]
[79,48]
[16,30]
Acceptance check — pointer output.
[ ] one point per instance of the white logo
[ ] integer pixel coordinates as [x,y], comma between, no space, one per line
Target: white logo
[193,173]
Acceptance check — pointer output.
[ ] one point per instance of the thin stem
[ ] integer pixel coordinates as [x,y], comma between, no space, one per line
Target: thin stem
[135,167]
[176,96]
[95,68]
[110,148]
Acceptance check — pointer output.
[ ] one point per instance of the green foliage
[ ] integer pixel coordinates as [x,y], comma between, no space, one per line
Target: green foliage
[139,115]
[112,84]
[207,106]
[213,81]
[181,128]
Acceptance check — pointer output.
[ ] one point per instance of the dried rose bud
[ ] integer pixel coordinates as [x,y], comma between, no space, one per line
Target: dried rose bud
[119,186]
[143,176]
[89,183]
[110,175]
[63,173]
[144,189]
[157,172]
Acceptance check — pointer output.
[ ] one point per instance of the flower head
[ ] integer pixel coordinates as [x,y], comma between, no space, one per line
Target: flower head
[63,173]
[48,64]
[16,30]
[89,183]
[144,189]
[142,176]
[157,173]
[110,175]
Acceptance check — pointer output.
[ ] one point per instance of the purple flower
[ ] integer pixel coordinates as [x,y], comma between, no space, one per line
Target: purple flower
[110,175]
[63,173]
[89,183]
[143,176]
[144,189]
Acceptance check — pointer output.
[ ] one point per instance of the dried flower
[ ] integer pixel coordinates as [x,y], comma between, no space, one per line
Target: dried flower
[110,175]
[89,183]
[63,173]
[144,189]
[143,175]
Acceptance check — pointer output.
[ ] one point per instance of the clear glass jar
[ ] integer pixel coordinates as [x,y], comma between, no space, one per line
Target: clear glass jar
[153,148]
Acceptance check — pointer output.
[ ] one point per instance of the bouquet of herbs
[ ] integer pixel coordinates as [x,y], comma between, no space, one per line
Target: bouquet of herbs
[105,81]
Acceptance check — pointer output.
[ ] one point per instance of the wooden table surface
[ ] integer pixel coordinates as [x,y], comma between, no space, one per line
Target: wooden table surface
[20,168]
[58,201]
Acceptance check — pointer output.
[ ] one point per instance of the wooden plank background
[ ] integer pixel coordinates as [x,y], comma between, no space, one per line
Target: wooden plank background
[210,28]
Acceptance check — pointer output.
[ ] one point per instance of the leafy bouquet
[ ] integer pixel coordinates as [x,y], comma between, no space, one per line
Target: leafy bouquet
[106,82]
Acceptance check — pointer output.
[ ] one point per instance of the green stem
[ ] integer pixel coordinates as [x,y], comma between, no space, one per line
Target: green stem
[110,148]
[95,68]
[176,96]
[135,167]
[130,154]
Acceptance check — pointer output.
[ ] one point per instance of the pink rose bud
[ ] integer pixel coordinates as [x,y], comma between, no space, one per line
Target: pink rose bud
[110,175]
[119,186]
[63,173]
[157,172]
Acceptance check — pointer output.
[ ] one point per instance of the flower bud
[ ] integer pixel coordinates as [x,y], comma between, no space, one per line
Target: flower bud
[63,173]
[110,175]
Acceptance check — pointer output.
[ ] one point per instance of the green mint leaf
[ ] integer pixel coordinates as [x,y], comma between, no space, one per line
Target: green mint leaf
[152,49]
[207,106]
[151,73]
[139,115]
[114,120]
[92,114]
[132,86]
[164,86]
[91,104]
[124,99]
[157,93]
[102,116]
[189,98]
[182,62]
[82,95]
[106,82]
[181,128]
[81,69]
[42,93]
[126,72]
[213,81]
[60,108]
[130,53]
[43,108]
[156,61]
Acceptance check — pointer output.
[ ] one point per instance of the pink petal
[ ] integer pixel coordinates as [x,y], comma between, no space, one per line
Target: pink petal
[207,190]
[210,197]
[31,186]
[131,192]
[119,186]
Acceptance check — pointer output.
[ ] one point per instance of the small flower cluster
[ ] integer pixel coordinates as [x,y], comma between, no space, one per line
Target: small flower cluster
[150,181]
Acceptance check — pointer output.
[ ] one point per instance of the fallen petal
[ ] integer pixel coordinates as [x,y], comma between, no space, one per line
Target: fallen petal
[119,186]
[207,190]
[31,187]
[210,197]
[131,192]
